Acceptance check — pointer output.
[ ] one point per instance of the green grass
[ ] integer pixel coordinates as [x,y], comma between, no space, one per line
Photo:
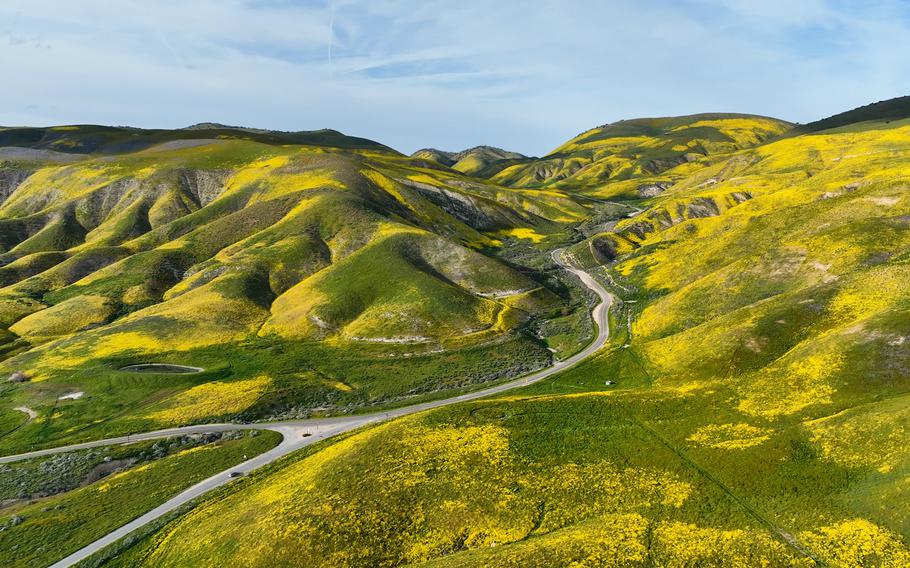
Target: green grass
[307,379]
[759,398]
[458,480]
[29,480]
[80,516]
[114,403]
[757,417]
[219,254]
[615,159]
[10,420]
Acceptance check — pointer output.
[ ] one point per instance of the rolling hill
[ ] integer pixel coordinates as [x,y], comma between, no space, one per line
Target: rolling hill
[219,252]
[480,161]
[95,139]
[882,111]
[638,158]
[759,354]
[750,410]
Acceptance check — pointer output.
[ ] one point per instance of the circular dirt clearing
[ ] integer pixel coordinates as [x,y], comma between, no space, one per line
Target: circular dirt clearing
[160,368]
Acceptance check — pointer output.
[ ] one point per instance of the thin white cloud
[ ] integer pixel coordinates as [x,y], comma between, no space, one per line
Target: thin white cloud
[443,73]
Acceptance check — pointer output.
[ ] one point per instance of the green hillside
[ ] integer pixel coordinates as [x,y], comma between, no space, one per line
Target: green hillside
[882,111]
[757,416]
[481,161]
[751,408]
[638,158]
[94,139]
[303,278]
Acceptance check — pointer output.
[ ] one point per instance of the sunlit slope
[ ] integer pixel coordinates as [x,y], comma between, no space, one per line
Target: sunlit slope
[822,240]
[640,157]
[819,215]
[154,226]
[790,302]
[798,263]
[221,246]
[550,481]
[482,161]
[758,416]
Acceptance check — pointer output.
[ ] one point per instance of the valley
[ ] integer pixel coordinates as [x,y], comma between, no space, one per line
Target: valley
[668,342]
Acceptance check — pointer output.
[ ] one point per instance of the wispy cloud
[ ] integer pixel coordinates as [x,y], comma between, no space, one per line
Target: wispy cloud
[444,73]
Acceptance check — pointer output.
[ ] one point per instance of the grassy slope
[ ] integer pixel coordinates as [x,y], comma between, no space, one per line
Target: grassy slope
[614,160]
[758,417]
[882,111]
[94,139]
[480,161]
[81,515]
[307,279]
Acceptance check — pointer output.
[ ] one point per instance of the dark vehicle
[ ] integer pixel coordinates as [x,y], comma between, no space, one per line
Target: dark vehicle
[236,474]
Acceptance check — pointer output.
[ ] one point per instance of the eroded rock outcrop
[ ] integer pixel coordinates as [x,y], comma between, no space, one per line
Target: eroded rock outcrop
[653,189]
[204,185]
[659,165]
[10,180]
[463,207]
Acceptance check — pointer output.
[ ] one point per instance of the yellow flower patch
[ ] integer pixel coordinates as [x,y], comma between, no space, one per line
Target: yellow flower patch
[801,384]
[730,436]
[845,437]
[218,398]
[684,544]
[522,233]
[857,542]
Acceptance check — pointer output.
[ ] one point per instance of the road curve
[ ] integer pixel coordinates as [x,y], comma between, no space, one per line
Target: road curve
[300,433]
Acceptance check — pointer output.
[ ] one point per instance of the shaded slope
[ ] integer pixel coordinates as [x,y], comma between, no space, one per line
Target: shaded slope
[891,109]
[94,139]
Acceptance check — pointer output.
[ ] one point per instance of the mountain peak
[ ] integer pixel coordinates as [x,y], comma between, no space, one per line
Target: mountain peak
[209,126]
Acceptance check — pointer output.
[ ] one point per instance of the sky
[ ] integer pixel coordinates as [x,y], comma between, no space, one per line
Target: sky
[522,75]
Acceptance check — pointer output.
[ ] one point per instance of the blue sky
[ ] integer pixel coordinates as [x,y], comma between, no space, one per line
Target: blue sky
[449,74]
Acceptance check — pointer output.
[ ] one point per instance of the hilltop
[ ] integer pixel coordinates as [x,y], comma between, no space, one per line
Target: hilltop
[482,161]
[641,155]
[94,139]
[882,111]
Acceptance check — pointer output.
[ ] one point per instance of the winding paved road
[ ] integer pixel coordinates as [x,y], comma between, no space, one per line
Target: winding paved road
[300,433]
